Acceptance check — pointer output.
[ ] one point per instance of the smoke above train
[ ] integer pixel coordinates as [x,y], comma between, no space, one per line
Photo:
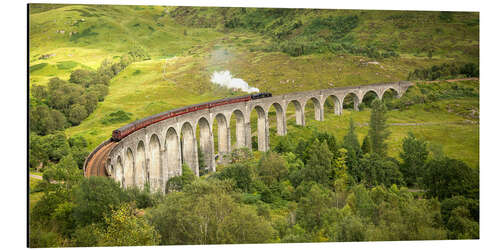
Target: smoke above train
[225,79]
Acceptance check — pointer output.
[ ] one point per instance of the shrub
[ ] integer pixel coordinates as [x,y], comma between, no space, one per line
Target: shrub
[37,67]
[95,198]
[240,173]
[177,183]
[445,71]
[66,65]
[446,177]
[77,114]
[116,117]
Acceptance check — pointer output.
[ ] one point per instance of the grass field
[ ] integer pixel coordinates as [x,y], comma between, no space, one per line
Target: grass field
[458,137]
[67,37]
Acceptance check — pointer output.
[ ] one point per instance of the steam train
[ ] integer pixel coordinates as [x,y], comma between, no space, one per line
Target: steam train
[122,132]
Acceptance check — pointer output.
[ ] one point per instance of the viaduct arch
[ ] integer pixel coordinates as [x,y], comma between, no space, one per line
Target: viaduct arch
[156,153]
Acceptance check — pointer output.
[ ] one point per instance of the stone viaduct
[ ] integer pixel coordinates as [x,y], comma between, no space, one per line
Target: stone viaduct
[155,153]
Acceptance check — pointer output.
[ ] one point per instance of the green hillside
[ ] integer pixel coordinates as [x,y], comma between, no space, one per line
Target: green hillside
[405,168]
[279,50]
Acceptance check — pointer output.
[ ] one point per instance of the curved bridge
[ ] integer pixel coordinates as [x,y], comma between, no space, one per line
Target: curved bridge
[155,153]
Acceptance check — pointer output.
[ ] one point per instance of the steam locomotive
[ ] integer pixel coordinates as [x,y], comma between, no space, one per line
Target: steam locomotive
[122,132]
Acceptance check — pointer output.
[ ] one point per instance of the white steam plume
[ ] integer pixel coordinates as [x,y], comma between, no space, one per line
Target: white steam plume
[225,79]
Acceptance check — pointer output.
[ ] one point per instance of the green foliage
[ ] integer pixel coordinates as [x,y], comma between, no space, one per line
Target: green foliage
[208,216]
[83,77]
[177,183]
[77,113]
[95,198]
[44,120]
[414,158]
[239,172]
[41,213]
[123,228]
[376,170]
[461,217]
[319,166]
[432,92]
[65,172]
[203,168]
[412,219]
[61,101]
[138,53]
[116,117]
[37,67]
[66,65]
[62,94]
[341,182]
[461,226]
[100,90]
[378,132]
[47,148]
[366,147]
[448,177]
[240,155]
[61,97]
[141,197]
[446,16]
[351,143]
[449,204]
[39,238]
[272,168]
[445,71]
[87,236]
[313,208]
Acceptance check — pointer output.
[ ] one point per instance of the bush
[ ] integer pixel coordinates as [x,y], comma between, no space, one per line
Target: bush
[44,120]
[100,91]
[177,183]
[445,71]
[446,177]
[240,173]
[116,117]
[95,198]
[272,168]
[123,228]
[36,67]
[66,65]
[142,198]
[83,77]
[77,114]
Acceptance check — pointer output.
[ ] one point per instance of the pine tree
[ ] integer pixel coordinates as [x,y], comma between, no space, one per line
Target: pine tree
[351,142]
[378,132]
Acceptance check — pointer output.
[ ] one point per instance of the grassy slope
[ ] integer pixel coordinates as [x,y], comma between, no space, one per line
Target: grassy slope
[148,87]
